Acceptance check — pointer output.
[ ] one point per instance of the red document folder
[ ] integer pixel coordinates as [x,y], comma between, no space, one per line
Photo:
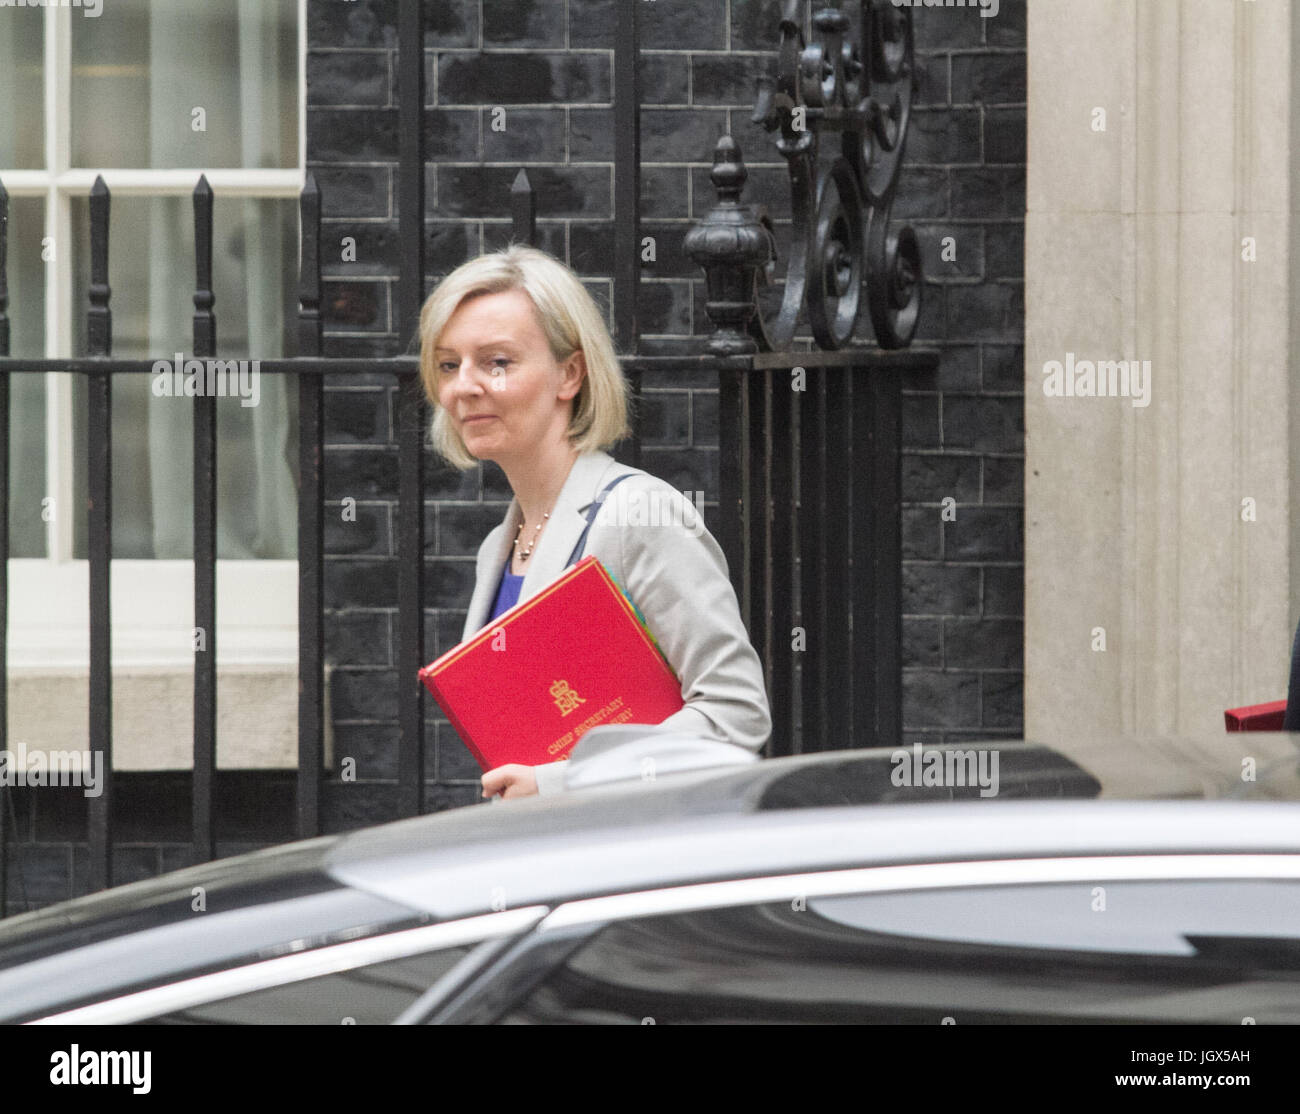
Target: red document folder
[535,680]
[1256,717]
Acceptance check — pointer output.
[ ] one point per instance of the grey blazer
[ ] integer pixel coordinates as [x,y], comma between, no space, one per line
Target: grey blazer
[652,541]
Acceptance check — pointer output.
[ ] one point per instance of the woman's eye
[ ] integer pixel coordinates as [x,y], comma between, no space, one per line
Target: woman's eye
[501,361]
[447,367]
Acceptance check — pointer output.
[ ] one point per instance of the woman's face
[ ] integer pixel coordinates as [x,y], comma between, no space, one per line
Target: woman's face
[503,391]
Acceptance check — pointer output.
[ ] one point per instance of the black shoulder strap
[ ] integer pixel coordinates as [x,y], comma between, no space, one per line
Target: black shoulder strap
[591,516]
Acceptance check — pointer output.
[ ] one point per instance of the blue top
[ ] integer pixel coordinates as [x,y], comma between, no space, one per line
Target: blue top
[507,592]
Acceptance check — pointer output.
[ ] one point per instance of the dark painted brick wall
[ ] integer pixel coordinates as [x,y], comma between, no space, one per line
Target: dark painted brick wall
[548,64]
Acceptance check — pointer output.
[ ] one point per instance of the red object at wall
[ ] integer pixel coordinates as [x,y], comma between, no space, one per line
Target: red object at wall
[575,656]
[1256,717]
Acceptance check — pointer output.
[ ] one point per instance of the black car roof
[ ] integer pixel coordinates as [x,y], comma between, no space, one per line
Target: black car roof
[469,837]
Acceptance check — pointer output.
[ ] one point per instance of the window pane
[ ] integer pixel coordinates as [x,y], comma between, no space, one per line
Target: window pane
[186,83]
[373,995]
[22,54]
[26,274]
[1203,952]
[151,273]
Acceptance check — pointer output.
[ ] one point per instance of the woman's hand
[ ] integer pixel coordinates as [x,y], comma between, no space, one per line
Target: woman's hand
[512,780]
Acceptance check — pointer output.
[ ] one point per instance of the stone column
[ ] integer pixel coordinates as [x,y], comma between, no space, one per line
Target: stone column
[1159,189]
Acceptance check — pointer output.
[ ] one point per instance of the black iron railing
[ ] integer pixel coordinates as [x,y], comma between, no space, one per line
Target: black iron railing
[808,437]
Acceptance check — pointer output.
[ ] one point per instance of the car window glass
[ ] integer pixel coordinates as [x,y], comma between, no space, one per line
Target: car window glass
[1143,917]
[372,995]
[1204,952]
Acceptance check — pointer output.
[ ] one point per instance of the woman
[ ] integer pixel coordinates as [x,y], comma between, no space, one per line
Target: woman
[520,369]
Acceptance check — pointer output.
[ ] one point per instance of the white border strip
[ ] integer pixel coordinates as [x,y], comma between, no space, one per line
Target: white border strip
[927,876]
[294,968]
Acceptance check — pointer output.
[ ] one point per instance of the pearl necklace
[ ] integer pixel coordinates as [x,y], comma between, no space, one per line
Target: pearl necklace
[525,554]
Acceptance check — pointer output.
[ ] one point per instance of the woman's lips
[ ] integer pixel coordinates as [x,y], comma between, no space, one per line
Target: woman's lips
[480,418]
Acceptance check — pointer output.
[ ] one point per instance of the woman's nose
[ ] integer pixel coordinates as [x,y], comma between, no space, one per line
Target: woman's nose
[466,379]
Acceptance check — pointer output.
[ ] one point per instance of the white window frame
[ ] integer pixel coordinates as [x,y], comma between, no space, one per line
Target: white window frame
[49,609]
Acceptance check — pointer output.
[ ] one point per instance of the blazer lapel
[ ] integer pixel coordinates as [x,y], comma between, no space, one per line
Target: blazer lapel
[567,521]
[563,528]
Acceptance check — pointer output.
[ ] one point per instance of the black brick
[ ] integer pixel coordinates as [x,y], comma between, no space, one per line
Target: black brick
[932,699]
[591,135]
[685,469]
[993,425]
[941,28]
[1004,135]
[669,24]
[375,248]
[40,873]
[705,416]
[664,307]
[665,417]
[452,134]
[371,746]
[355,306]
[447,245]
[363,694]
[348,805]
[1007,28]
[1004,591]
[983,643]
[591,247]
[922,642]
[523,23]
[1004,368]
[933,478]
[1004,252]
[591,24]
[529,135]
[352,134]
[358,638]
[755,24]
[1003,700]
[940,589]
[930,326]
[921,533]
[492,79]
[993,311]
[765,185]
[450,23]
[728,78]
[992,79]
[484,191]
[365,23]
[932,78]
[958,370]
[360,473]
[550,236]
[360,582]
[921,193]
[340,77]
[368,534]
[665,79]
[463,526]
[985,533]
[986,192]
[944,136]
[454,760]
[921,421]
[966,253]
[663,192]
[1004,480]
[679,135]
[439,798]
[448,582]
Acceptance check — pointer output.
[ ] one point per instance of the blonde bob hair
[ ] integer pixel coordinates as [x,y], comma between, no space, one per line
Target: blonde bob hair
[569,318]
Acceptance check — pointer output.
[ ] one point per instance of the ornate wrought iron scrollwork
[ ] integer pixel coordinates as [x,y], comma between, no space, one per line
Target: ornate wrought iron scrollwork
[860,86]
